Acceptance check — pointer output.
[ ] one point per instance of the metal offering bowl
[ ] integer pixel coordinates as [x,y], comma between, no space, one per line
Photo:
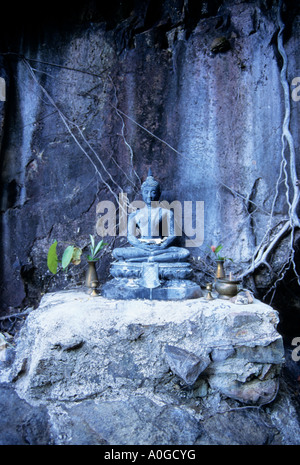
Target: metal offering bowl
[226,288]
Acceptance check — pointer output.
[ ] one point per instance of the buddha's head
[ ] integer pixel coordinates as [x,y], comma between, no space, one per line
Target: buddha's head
[150,189]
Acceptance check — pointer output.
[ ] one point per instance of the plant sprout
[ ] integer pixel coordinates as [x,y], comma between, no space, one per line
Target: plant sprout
[95,249]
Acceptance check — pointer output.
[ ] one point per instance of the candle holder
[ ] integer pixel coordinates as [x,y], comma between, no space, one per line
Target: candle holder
[91,278]
[93,286]
[209,290]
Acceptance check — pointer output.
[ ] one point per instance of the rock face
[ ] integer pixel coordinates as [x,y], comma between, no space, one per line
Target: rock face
[152,372]
[202,76]
[20,423]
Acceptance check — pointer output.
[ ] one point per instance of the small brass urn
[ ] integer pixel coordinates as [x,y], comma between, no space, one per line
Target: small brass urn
[227,288]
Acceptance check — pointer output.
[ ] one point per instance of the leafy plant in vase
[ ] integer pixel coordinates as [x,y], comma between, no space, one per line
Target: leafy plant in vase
[95,249]
[91,279]
[220,273]
[225,287]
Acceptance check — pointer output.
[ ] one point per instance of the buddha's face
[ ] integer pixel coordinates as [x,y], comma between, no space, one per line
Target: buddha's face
[150,194]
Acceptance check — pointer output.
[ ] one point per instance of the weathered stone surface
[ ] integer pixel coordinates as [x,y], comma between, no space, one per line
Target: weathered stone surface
[21,423]
[137,421]
[240,427]
[109,372]
[103,343]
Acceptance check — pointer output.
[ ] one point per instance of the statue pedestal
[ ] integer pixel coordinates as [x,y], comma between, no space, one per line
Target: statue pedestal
[129,288]
[175,284]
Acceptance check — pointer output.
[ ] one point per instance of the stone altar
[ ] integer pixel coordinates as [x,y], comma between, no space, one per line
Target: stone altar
[153,267]
[150,372]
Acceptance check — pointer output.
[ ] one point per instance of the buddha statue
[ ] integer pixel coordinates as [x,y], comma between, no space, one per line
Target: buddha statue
[152,263]
[152,222]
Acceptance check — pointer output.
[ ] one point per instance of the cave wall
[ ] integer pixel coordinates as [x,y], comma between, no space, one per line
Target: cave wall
[197,86]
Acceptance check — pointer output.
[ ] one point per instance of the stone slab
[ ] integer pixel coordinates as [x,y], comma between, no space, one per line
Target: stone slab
[101,342]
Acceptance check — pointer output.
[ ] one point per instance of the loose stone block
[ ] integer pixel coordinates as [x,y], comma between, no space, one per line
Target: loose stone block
[185,364]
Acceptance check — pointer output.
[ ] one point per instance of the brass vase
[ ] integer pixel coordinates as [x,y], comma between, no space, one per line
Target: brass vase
[220,273]
[91,278]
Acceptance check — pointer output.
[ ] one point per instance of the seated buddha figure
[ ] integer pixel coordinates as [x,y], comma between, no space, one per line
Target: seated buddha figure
[152,222]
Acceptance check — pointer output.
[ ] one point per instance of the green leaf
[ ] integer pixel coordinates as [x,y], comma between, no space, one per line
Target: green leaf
[218,248]
[76,255]
[52,258]
[67,256]
[99,247]
[92,241]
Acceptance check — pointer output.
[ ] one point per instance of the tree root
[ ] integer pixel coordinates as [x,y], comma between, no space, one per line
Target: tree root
[269,242]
